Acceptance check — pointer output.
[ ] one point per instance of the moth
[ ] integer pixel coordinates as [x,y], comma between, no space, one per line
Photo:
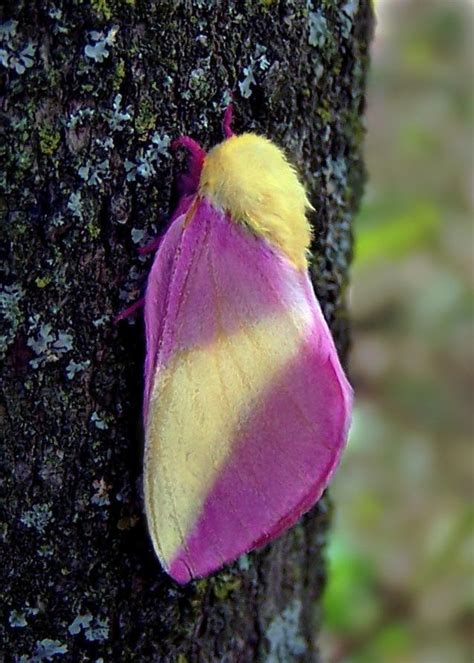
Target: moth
[246,405]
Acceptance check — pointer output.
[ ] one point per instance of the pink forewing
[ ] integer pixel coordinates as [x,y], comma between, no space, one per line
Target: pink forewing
[213,277]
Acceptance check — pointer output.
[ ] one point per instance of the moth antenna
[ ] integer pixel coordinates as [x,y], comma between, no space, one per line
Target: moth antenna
[227,121]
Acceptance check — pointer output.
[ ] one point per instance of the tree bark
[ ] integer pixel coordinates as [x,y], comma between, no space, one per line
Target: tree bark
[95,91]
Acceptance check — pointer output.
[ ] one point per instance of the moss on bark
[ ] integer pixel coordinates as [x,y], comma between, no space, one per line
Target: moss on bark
[95,91]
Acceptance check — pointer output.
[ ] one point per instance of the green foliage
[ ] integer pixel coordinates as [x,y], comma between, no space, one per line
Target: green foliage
[402,545]
[391,643]
[387,228]
[350,604]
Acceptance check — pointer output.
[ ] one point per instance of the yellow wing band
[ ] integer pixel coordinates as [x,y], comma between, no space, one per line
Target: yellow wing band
[197,404]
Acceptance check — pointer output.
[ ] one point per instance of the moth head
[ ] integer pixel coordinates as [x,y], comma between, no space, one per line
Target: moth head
[250,178]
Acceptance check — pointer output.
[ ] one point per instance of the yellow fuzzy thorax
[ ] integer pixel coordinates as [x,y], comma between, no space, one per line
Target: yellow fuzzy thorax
[250,178]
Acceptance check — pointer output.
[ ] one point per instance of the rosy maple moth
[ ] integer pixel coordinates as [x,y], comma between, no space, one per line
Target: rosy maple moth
[246,406]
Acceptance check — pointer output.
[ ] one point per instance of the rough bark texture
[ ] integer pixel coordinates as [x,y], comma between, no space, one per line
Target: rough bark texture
[95,91]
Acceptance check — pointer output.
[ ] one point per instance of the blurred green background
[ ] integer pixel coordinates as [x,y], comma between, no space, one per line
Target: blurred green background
[401,552]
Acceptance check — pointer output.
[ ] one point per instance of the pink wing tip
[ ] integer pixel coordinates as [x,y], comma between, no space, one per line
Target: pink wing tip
[180,572]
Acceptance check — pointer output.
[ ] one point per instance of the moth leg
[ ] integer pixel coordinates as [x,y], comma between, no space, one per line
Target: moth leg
[130,310]
[227,122]
[152,246]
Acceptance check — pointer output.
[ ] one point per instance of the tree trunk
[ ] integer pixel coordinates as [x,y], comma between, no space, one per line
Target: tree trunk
[95,93]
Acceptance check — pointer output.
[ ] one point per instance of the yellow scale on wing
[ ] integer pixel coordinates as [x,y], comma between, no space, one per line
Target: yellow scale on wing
[191,426]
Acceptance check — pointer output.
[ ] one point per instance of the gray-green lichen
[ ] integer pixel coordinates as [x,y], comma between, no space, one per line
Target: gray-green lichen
[17,619]
[93,628]
[38,517]
[13,54]
[101,43]
[73,368]
[98,421]
[48,346]
[45,650]
[318,28]
[284,636]
[11,314]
